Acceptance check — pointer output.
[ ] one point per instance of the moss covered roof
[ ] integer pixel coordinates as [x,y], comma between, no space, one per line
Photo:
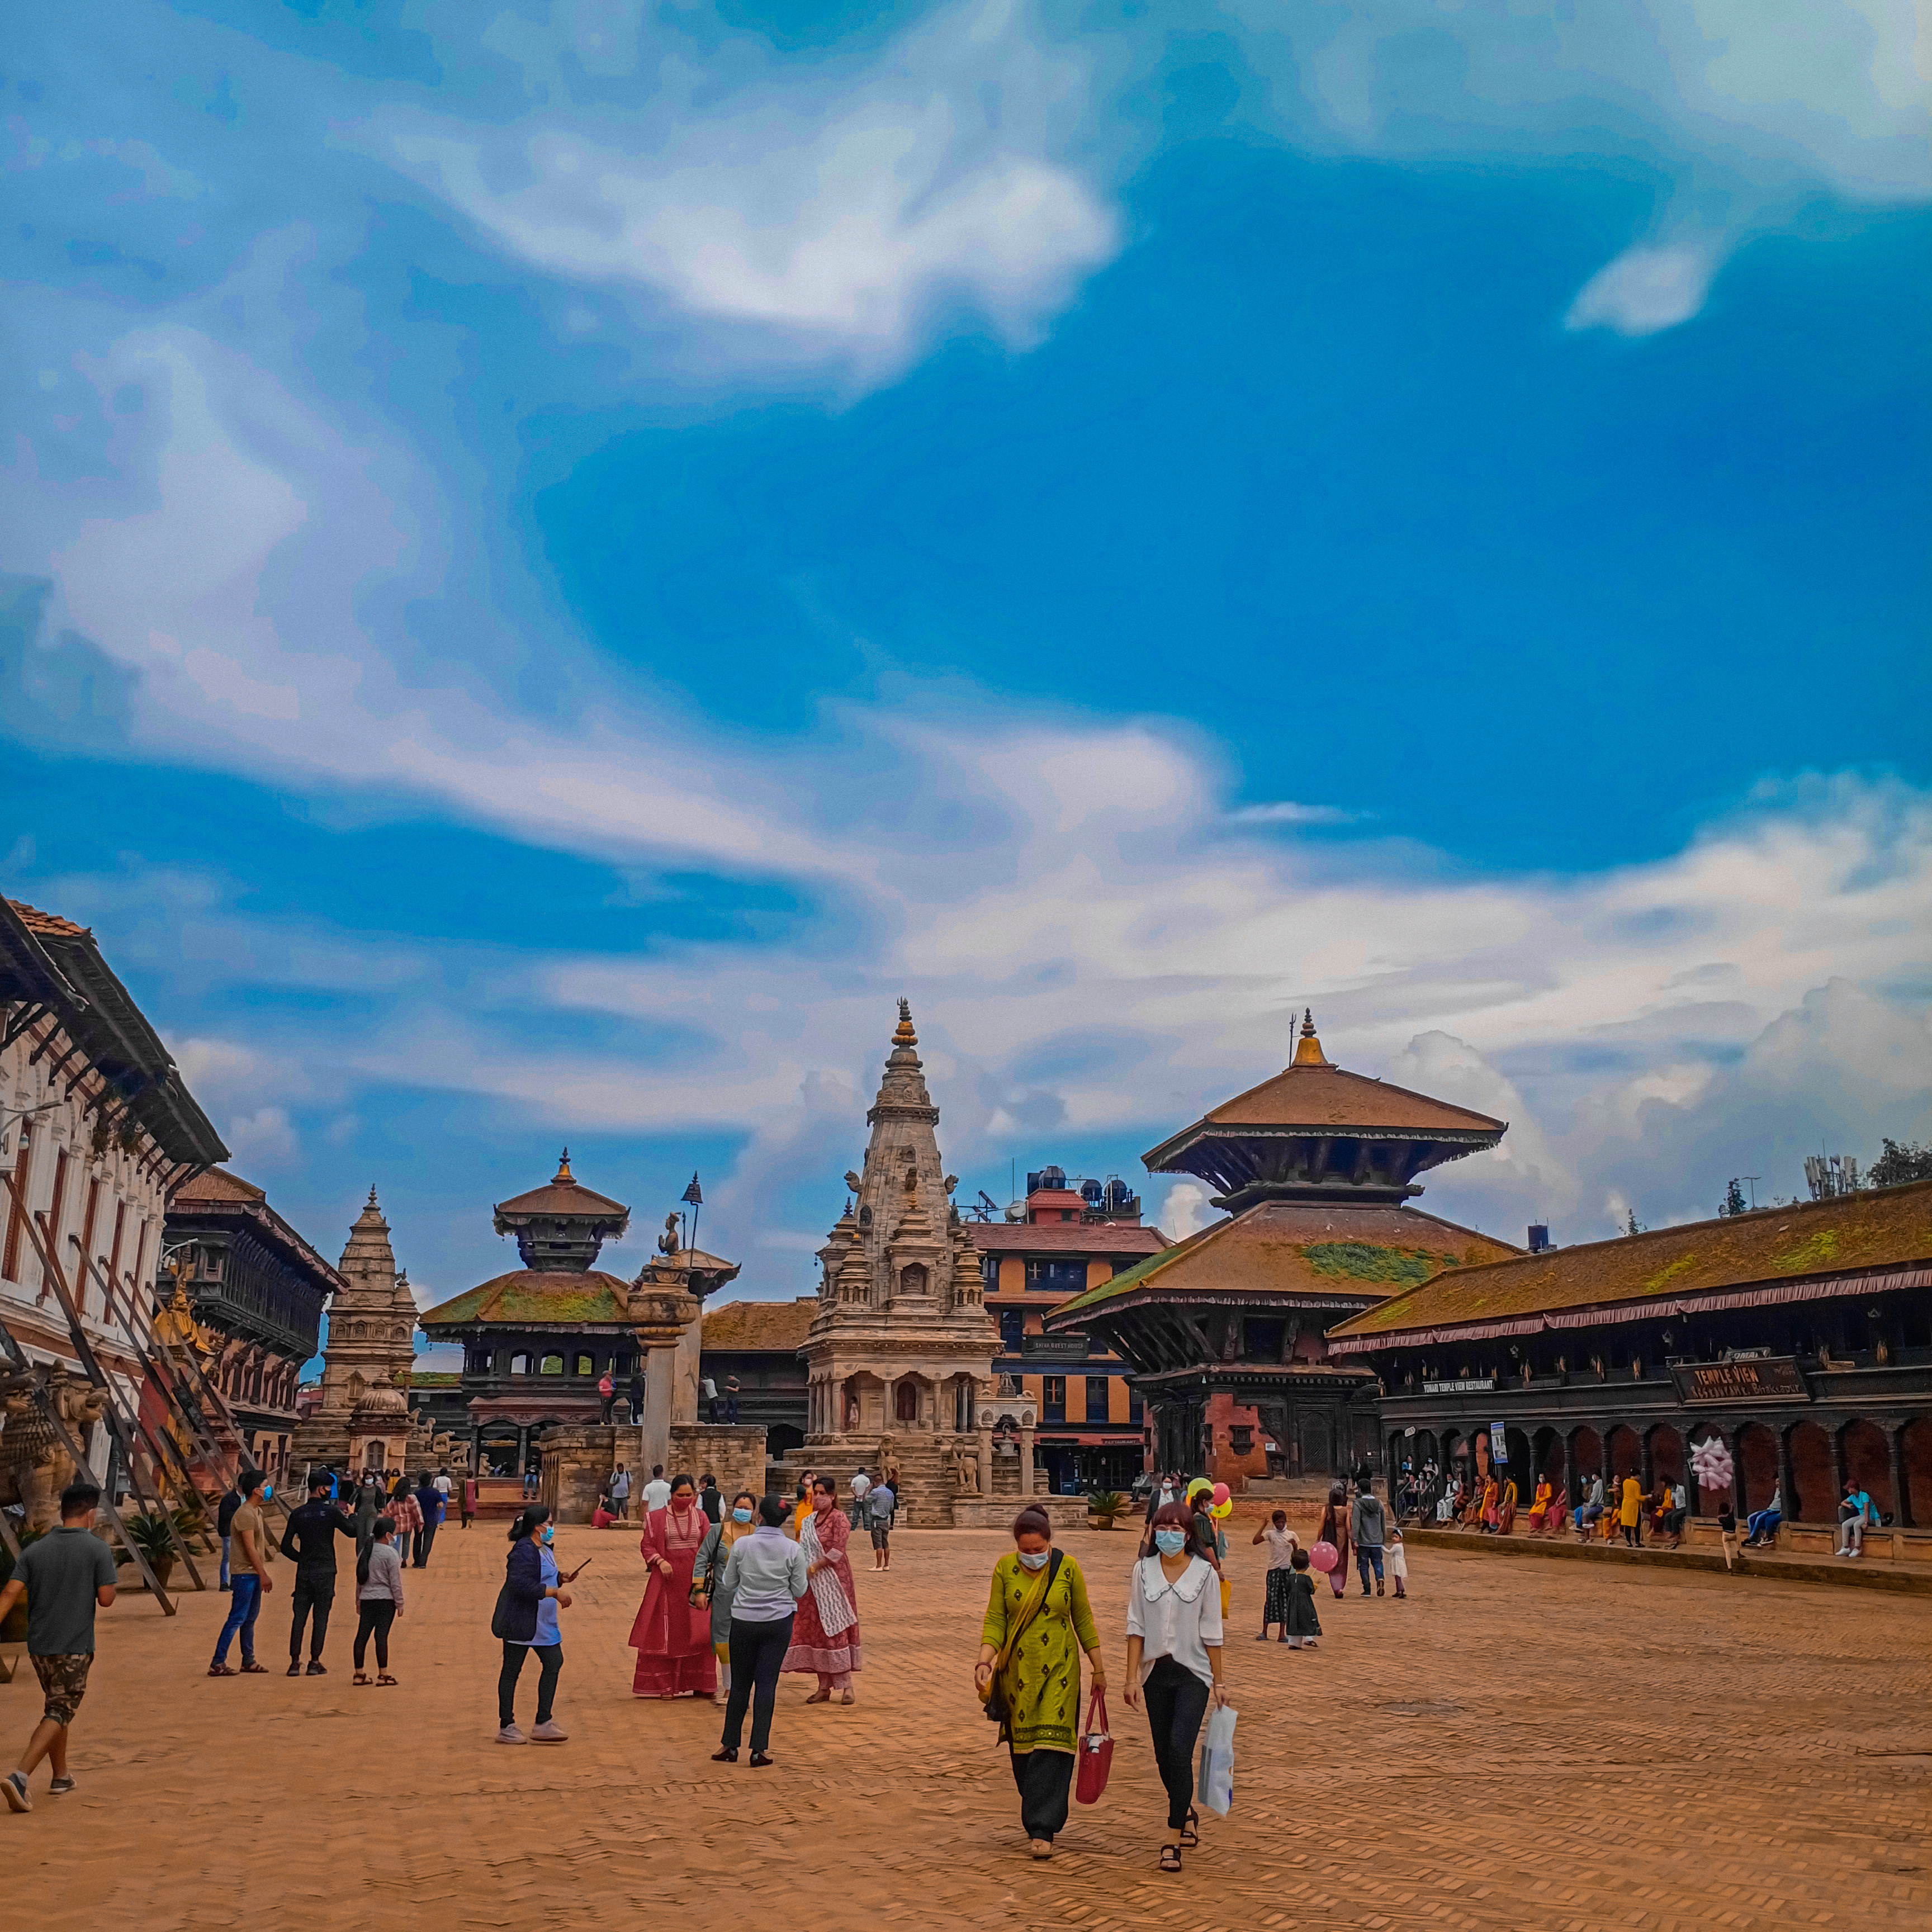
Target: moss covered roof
[1887,1229]
[534,1298]
[1299,1250]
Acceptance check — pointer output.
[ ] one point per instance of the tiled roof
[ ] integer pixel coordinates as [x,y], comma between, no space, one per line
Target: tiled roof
[1330,1099]
[1301,1251]
[217,1185]
[48,925]
[776,1326]
[564,1195]
[1064,1238]
[535,1297]
[1887,1229]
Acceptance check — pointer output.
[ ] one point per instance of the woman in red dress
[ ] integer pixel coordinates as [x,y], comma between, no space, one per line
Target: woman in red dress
[825,1635]
[672,1637]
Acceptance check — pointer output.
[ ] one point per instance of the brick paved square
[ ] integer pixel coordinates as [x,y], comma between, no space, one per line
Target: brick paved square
[1520,1745]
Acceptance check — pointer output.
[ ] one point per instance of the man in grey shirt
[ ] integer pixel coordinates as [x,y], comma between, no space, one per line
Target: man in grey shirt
[1368,1530]
[63,1577]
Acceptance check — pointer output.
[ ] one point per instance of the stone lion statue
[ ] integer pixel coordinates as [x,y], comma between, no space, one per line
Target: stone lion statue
[966,1470]
[34,1467]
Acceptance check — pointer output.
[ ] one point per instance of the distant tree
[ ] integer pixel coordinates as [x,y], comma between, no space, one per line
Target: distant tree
[1900,1163]
[1630,1222]
[1734,1198]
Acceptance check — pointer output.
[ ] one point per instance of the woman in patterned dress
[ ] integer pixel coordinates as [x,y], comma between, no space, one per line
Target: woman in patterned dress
[825,1638]
[672,1637]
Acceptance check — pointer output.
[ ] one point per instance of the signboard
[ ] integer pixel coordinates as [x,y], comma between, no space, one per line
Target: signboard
[1764,1378]
[1499,1447]
[1472,1385]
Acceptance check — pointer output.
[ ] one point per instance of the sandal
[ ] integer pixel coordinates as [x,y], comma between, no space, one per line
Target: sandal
[1042,1849]
[1190,1832]
[220,1670]
[819,1697]
[849,1697]
[252,1669]
[383,1677]
[361,1677]
[1170,1858]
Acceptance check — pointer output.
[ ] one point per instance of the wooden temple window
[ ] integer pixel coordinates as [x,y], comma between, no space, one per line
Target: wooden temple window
[553,1365]
[1241,1437]
[585,1366]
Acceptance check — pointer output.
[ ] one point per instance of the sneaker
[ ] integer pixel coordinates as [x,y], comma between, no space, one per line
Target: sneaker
[13,1788]
[60,1785]
[550,1731]
[295,1667]
[317,1668]
[510,1735]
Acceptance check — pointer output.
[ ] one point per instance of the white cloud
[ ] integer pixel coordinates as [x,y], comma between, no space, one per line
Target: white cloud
[842,205]
[1286,812]
[265,1137]
[1185,1211]
[1645,289]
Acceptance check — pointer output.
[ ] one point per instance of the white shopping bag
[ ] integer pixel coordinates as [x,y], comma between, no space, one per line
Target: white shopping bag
[1216,1787]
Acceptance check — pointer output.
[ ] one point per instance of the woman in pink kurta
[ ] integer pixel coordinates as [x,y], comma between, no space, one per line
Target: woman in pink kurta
[825,1635]
[672,1637]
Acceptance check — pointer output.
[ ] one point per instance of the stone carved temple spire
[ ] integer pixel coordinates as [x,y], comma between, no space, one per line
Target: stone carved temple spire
[902,1339]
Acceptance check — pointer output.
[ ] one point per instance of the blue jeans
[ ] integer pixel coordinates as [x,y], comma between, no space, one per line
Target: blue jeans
[1764,1523]
[244,1604]
[1368,1555]
[224,1562]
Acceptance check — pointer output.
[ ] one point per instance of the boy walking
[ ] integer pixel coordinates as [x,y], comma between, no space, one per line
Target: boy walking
[64,1576]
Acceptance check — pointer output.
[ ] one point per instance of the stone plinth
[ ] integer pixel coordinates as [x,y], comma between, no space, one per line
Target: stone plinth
[997,1512]
[733,1453]
[576,1464]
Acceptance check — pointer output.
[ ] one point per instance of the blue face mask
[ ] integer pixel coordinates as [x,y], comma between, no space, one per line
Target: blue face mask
[267,1490]
[1170,1542]
[741,1516]
[1034,1559]
[548,1533]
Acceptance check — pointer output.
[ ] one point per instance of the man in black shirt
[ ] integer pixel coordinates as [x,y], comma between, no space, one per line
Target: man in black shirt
[310,1540]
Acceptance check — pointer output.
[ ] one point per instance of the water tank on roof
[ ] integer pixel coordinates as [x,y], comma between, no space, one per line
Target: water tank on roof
[1118,1193]
[1049,1176]
[1090,1192]
[1016,1211]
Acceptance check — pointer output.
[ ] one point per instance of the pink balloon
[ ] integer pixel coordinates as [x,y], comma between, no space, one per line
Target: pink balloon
[1222,1492]
[1323,1557]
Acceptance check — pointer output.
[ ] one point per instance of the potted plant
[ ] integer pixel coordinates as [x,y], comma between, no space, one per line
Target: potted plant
[1106,1509]
[148,1533]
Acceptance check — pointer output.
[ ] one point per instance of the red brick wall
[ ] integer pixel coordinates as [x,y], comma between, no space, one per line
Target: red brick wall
[1757,1453]
[1918,1471]
[1868,1463]
[1813,1465]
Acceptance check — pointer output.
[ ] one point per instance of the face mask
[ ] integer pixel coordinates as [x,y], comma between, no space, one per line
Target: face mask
[548,1534]
[741,1516]
[1170,1542]
[1034,1559]
[267,1490]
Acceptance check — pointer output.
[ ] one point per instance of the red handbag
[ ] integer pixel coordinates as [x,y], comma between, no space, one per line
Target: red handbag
[1096,1752]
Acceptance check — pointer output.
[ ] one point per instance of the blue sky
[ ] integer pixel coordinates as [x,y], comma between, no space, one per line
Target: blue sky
[555,559]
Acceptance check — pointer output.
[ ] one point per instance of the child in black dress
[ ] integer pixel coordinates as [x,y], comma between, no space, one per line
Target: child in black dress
[1303,1627]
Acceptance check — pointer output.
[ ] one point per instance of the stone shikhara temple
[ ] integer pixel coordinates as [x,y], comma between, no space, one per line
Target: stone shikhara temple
[899,1358]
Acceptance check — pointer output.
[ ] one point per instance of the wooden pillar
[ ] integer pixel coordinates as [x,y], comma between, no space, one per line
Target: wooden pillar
[522,1448]
[1569,1468]
[1901,1500]
[1787,1478]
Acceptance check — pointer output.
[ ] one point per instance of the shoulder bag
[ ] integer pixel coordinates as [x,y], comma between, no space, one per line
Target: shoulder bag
[1096,1751]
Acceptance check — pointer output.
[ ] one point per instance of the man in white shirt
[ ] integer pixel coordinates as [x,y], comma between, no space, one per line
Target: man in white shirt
[657,1491]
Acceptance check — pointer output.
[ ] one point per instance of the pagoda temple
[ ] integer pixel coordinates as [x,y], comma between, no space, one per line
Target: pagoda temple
[536,1341]
[899,1358]
[1227,1330]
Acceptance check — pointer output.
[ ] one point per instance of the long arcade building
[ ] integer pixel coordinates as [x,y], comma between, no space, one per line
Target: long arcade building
[1802,1336]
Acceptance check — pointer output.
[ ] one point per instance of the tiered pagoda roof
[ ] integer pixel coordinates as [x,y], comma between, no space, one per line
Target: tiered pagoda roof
[1316,1132]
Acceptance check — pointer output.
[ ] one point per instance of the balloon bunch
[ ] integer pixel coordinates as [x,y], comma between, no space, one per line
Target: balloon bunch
[1711,1463]
[1222,1505]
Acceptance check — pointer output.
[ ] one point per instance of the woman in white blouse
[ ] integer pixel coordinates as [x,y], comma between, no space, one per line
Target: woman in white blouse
[1174,1661]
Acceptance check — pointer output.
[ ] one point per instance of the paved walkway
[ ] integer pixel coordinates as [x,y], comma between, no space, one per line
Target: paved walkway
[1520,1745]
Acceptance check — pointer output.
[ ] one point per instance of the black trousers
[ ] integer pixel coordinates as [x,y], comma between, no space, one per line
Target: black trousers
[550,1656]
[1044,1778]
[1177,1701]
[314,1596]
[757,1650]
[374,1618]
[425,1543]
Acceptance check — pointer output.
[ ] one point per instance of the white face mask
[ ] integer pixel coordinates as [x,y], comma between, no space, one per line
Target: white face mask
[1034,1559]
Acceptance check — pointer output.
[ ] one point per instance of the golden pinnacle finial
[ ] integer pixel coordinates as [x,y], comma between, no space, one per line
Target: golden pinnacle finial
[563,1172]
[1308,1049]
[904,1035]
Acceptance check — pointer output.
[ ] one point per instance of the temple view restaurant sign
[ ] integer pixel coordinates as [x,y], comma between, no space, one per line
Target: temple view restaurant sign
[1761,1378]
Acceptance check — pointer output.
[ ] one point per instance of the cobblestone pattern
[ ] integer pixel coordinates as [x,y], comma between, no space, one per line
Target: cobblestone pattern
[1519,1745]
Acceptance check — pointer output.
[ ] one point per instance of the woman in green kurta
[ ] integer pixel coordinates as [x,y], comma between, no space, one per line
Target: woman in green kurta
[1039,1594]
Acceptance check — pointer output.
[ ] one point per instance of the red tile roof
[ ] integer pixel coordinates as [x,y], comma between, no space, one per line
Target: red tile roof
[49,923]
[1064,1238]
[777,1327]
